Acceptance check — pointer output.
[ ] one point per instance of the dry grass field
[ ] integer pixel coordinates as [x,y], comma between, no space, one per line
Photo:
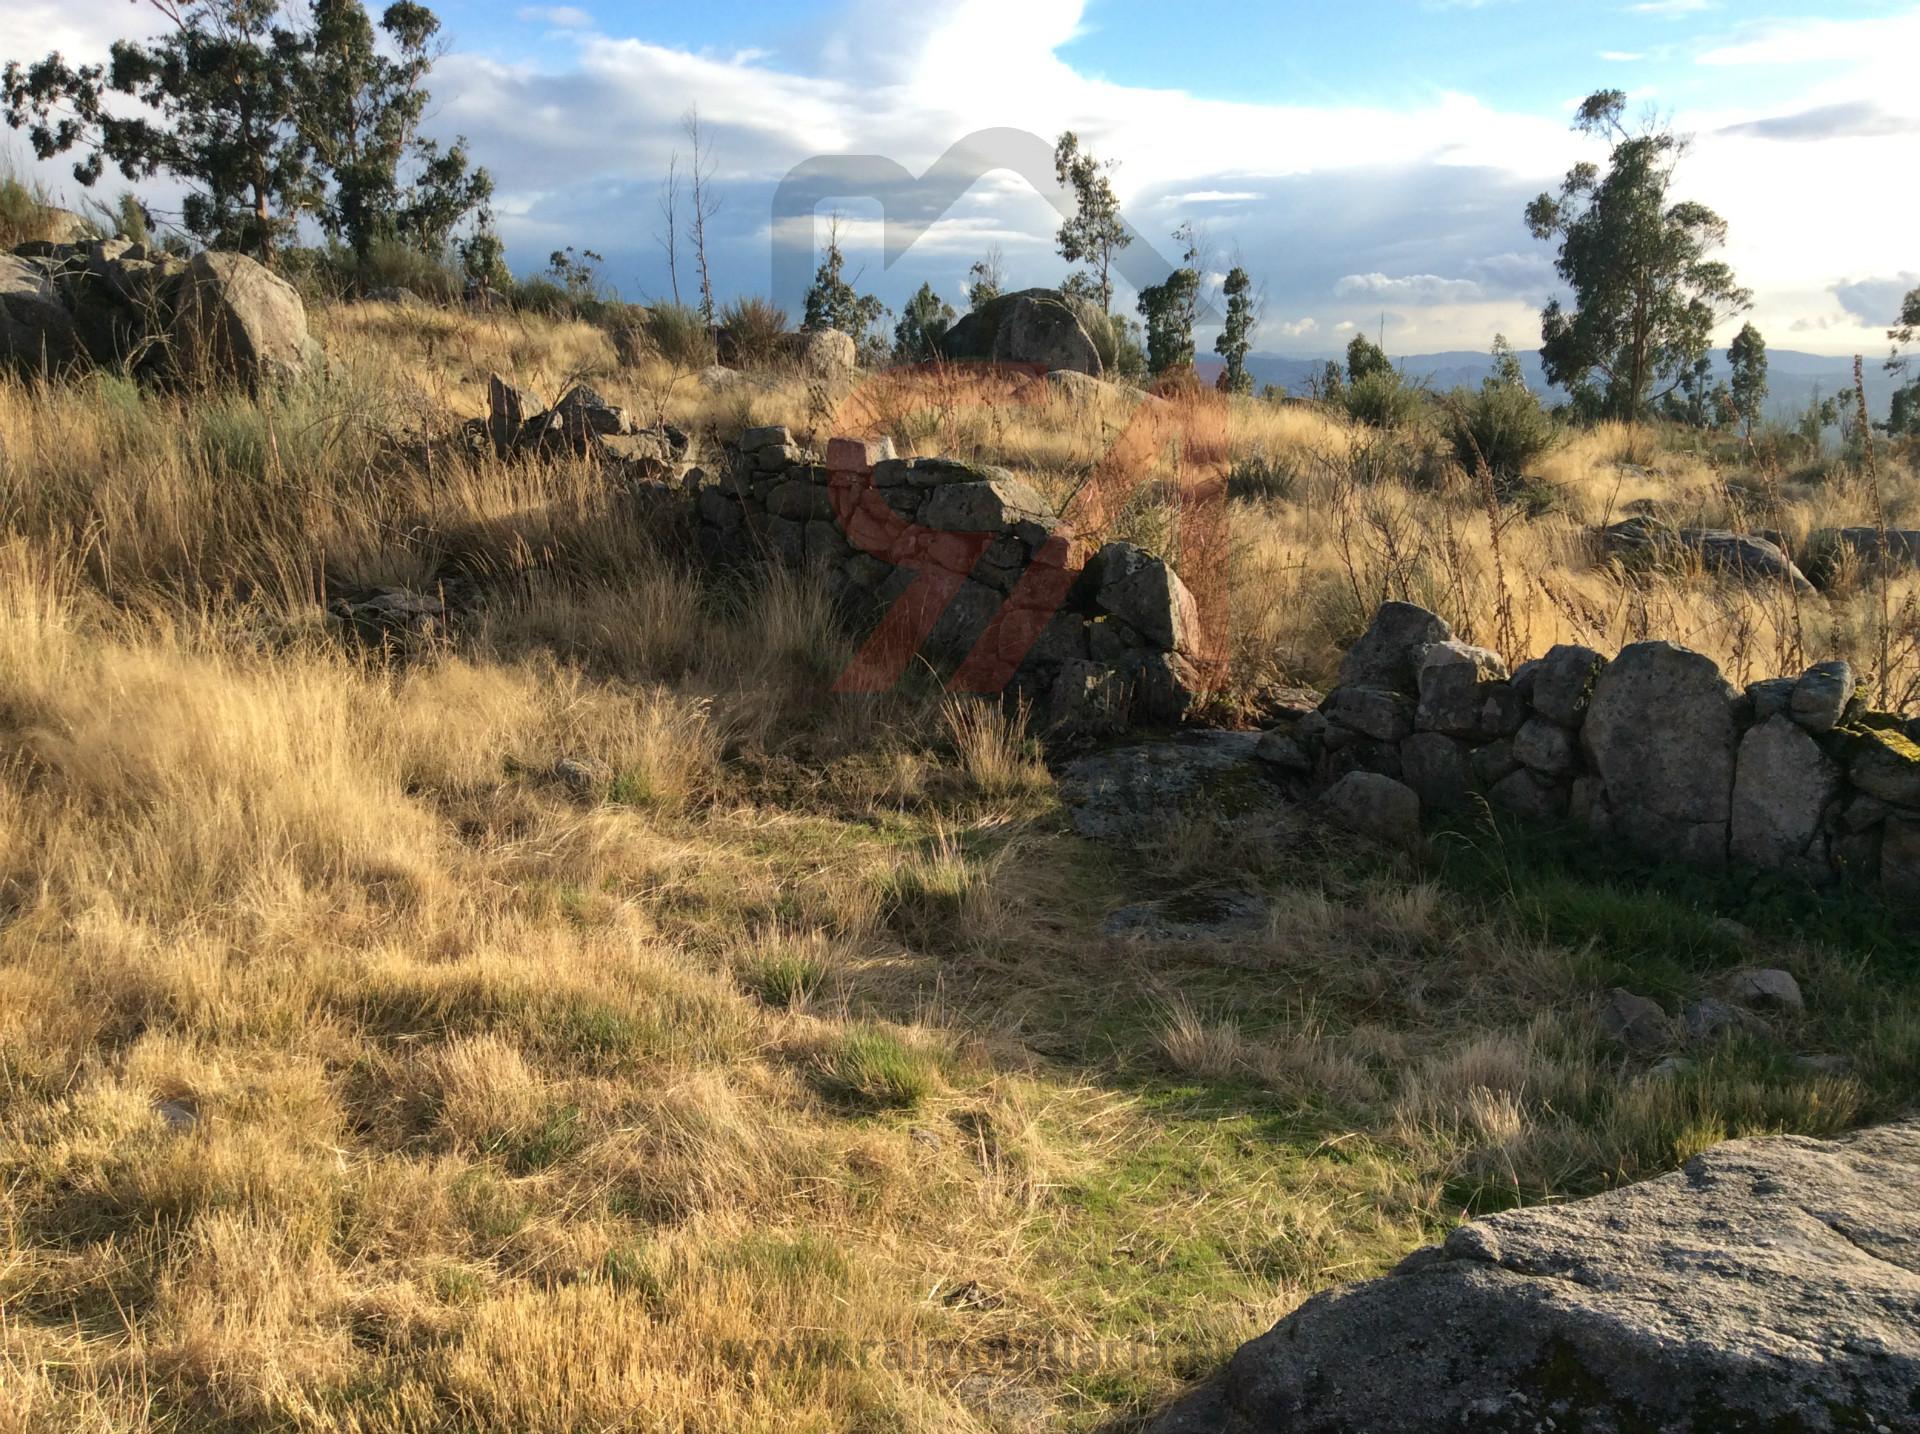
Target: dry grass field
[588,1022]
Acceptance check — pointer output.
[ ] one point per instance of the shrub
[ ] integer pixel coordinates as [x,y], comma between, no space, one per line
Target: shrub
[393,265]
[1382,398]
[678,334]
[753,332]
[542,296]
[1503,426]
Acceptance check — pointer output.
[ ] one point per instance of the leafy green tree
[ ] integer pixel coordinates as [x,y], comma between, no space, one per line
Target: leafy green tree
[1236,335]
[1506,365]
[986,280]
[483,258]
[222,87]
[1747,355]
[1168,308]
[265,111]
[359,114]
[1096,232]
[926,318]
[1645,293]
[832,302]
[1366,358]
[1903,413]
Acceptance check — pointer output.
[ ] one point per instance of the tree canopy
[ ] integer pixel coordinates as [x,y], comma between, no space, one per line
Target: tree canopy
[1645,294]
[266,110]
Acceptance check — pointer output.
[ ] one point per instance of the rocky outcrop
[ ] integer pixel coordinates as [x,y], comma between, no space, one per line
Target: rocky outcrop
[216,318]
[824,354]
[581,425]
[966,560]
[1771,1284]
[1032,326]
[1654,749]
[1749,557]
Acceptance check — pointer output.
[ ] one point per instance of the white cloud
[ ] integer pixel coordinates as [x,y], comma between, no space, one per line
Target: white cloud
[1213,196]
[560,17]
[1413,205]
[1672,7]
[1621,57]
[1409,289]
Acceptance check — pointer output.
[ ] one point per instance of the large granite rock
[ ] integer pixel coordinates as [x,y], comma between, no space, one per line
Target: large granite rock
[1771,1285]
[1033,326]
[1660,735]
[234,319]
[36,331]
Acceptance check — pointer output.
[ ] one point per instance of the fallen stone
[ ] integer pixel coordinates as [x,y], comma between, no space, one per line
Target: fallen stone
[1192,916]
[1767,989]
[1130,792]
[1770,1285]
[1376,806]
[237,320]
[1634,1021]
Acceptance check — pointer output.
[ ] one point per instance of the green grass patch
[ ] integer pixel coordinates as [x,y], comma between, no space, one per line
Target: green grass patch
[874,1069]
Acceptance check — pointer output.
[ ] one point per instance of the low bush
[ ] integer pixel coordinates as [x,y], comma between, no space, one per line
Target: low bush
[753,332]
[1503,426]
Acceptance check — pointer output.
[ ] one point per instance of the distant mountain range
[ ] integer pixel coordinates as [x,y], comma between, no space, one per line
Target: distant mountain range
[1793,379]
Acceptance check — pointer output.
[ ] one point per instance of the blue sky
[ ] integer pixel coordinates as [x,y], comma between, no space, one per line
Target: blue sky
[1366,161]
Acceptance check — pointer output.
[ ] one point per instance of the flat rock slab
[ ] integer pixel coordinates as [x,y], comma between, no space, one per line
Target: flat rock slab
[1191,916]
[1770,1285]
[1123,793]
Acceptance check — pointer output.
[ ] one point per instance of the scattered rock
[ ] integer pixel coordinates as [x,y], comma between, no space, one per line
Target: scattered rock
[1767,989]
[1127,792]
[1376,807]
[1634,1021]
[180,1114]
[1192,916]
[1031,326]
[1772,1284]
[1709,1018]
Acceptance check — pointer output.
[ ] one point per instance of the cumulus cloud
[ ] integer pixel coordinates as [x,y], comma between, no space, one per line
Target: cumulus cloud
[1408,289]
[1875,301]
[1413,206]
[1847,120]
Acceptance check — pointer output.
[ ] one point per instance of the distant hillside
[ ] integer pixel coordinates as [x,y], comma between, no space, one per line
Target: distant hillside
[1793,377]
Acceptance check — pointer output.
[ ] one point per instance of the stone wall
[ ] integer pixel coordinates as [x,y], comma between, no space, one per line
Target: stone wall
[965,566]
[1654,748]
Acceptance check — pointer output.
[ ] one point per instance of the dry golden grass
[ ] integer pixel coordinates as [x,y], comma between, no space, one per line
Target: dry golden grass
[763,1067]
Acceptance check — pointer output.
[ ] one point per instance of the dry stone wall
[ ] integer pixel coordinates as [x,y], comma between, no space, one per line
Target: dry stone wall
[1652,747]
[963,565]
